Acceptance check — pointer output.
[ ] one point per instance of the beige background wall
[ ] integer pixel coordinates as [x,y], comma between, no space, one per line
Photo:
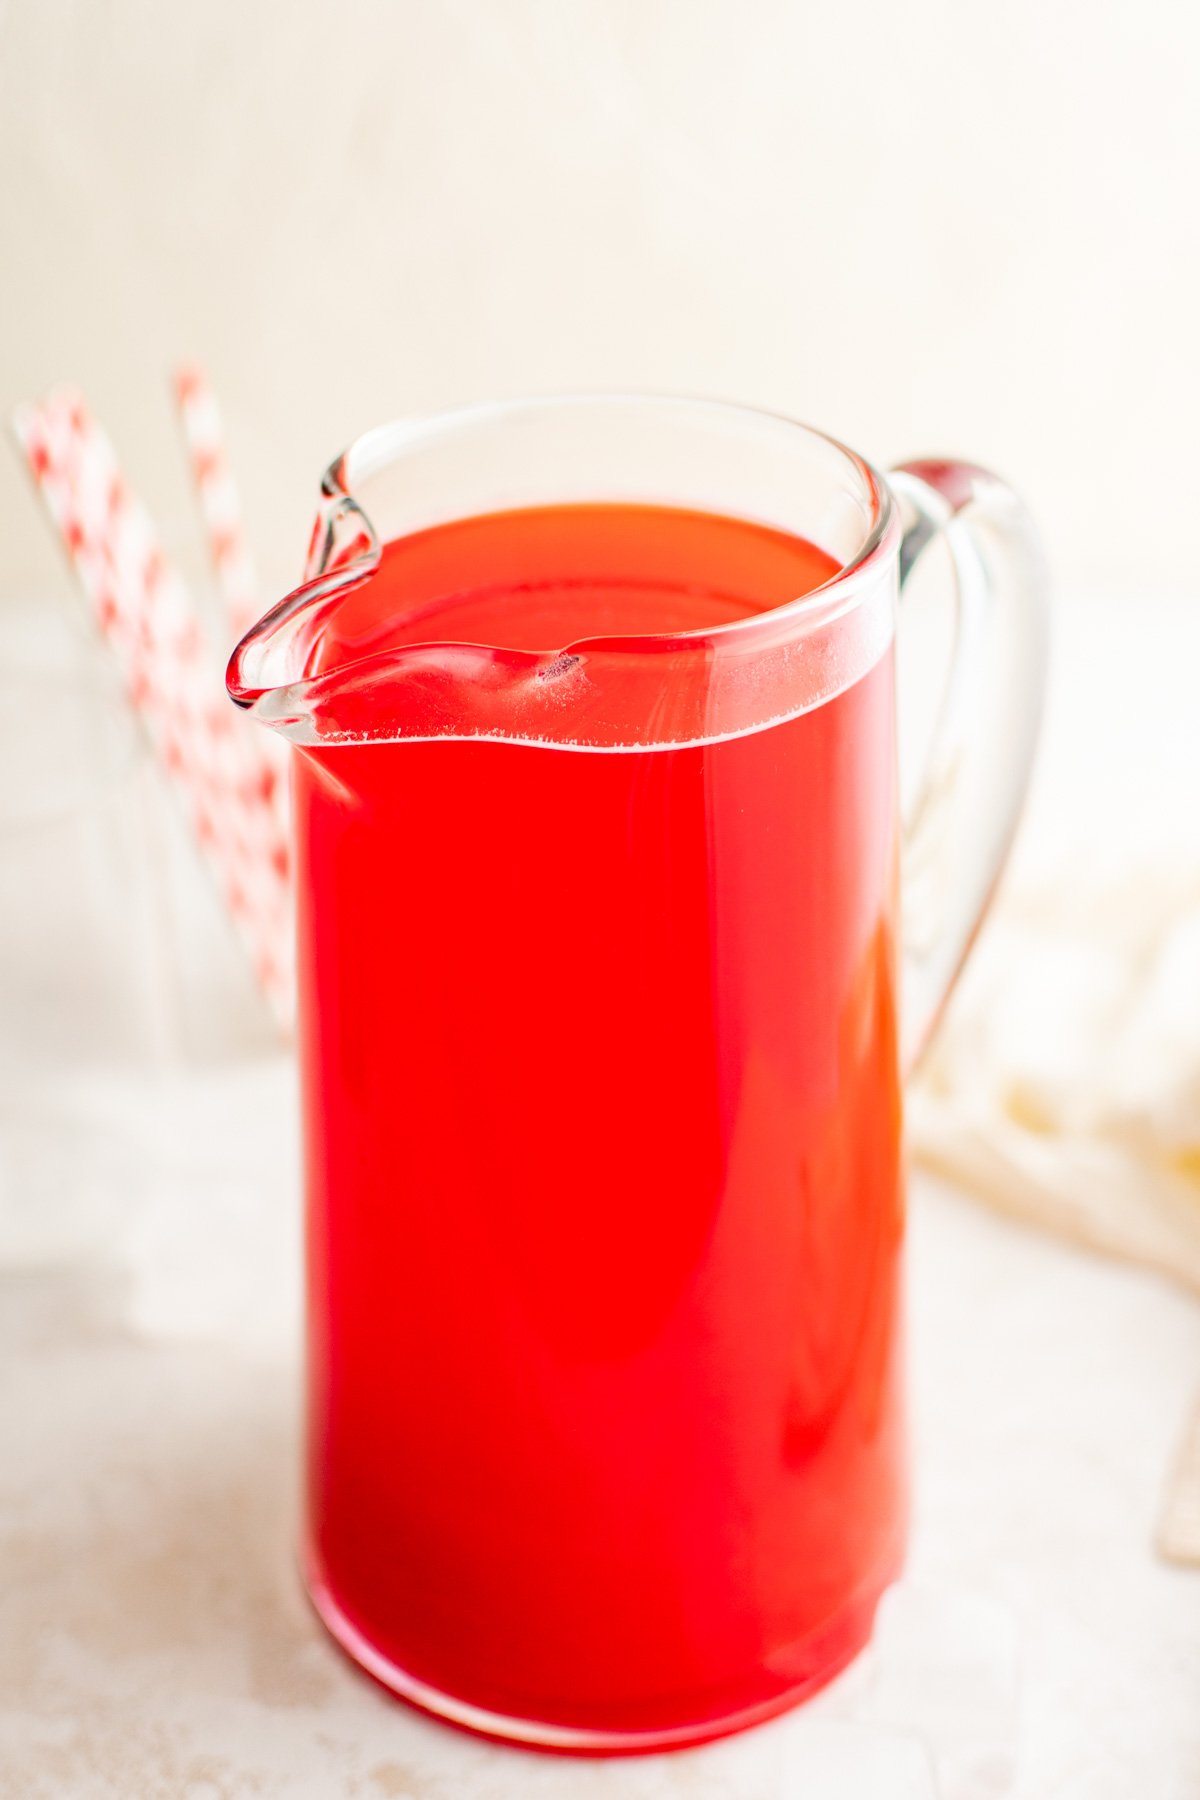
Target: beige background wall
[939,225]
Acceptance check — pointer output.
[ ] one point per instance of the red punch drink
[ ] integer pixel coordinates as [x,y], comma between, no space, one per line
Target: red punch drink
[602,1102]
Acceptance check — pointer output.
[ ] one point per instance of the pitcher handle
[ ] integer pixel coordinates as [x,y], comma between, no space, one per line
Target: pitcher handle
[961,824]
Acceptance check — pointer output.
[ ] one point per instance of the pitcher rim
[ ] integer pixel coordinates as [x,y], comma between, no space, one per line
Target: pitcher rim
[381,445]
[410,430]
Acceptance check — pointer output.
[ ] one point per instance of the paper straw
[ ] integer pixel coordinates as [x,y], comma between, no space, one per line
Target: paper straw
[221,512]
[216,490]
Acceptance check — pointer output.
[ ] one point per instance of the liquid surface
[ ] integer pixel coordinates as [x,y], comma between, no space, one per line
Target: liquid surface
[603,1153]
[540,577]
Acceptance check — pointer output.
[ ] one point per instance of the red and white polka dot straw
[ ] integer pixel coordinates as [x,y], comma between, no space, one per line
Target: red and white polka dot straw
[220,507]
[221,771]
[221,512]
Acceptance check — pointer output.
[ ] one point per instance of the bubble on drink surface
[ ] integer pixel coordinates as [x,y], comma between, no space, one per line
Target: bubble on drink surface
[563,664]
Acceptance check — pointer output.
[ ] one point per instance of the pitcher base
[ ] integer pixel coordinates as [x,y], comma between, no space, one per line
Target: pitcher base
[832,1650]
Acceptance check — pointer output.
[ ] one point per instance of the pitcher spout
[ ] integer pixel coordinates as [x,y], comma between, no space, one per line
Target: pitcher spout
[283,649]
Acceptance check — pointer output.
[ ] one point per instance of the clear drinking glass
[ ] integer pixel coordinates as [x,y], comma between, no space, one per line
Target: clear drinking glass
[80,1007]
[602,1045]
[117,968]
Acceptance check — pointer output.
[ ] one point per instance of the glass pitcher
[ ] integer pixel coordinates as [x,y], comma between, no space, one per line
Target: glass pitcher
[602,1044]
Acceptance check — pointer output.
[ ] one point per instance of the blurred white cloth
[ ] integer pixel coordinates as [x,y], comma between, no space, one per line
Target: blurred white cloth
[1066,1085]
